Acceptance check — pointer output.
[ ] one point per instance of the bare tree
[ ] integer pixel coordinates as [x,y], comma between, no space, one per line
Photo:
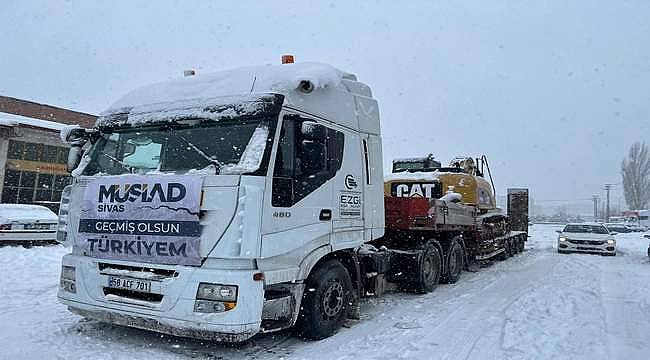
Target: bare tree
[636,176]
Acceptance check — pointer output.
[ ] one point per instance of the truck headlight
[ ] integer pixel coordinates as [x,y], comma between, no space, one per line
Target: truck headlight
[611,241]
[217,292]
[68,272]
[562,238]
[68,279]
[214,298]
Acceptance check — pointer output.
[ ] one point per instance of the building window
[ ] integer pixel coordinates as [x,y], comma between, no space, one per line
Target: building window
[15,149]
[30,176]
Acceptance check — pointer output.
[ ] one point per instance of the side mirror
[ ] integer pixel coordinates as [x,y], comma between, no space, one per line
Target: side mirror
[613,233]
[558,231]
[74,157]
[77,137]
[74,135]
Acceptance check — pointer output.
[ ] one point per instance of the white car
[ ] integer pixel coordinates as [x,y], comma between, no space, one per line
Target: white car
[586,237]
[20,223]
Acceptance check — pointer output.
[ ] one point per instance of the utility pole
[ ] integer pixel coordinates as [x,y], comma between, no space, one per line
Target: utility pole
[595,199]
[608,188]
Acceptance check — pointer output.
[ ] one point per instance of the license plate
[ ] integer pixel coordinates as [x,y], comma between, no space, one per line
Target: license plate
[129,284]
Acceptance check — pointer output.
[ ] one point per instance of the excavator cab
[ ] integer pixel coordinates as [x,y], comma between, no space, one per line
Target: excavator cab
[419,164]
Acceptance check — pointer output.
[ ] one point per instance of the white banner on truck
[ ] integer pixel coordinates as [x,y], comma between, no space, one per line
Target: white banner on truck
[149,218]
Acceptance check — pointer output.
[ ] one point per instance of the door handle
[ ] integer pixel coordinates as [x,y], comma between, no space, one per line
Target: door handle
[325,215]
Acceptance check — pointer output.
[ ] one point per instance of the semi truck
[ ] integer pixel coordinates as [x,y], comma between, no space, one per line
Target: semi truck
[224,205]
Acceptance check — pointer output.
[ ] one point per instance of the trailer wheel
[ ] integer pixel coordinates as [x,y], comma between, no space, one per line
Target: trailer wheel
[521,244]
[326,301]
[455,262]
[427,274]
[504,254]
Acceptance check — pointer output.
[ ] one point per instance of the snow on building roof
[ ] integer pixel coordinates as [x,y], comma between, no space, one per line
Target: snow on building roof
[7,119]
[202,95]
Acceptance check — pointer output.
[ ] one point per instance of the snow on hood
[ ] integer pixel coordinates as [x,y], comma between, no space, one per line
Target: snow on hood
[205,96]
[26,213]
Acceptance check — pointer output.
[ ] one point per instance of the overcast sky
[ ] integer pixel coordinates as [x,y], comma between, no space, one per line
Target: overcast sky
[554,92]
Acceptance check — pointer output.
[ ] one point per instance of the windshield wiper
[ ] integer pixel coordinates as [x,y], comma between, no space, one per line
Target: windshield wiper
[217,164]
[122,163]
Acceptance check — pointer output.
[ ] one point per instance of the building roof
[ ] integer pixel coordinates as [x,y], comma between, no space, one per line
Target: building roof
[36,111]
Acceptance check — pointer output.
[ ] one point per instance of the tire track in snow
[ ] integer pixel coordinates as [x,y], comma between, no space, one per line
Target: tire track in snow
[448,323]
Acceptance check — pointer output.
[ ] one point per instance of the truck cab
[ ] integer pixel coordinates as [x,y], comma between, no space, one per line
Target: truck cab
[213,206]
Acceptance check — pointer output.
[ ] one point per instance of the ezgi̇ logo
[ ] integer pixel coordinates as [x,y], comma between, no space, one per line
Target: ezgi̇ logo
[350,183]
[142,192]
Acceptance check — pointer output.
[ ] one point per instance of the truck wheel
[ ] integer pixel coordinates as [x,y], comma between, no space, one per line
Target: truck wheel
[428,271]
[326,301]
[455,262]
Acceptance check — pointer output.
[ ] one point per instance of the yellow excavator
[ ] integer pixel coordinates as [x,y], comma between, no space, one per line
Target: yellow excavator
[425,177]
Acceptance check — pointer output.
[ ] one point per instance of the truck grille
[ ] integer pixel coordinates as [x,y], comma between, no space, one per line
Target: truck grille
[165,273]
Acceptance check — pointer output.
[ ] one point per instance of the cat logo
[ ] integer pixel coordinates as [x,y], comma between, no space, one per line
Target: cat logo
[415,190]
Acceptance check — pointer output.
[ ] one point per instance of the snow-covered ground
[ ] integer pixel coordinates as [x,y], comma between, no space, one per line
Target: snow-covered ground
[537,305]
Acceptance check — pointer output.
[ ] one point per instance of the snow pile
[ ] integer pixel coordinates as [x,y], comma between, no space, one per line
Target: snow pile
[252,156]
[452,196]
[27,213]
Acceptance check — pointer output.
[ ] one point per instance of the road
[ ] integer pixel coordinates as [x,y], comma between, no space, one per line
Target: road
[536,305]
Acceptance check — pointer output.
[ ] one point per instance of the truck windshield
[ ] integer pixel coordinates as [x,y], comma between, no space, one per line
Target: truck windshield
[231,147]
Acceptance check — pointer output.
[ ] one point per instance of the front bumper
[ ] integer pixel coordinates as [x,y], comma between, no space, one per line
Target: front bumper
[174,314]
[586,247]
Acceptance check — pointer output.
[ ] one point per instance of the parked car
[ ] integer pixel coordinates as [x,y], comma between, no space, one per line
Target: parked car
[587,237]
[618,227]
[647,236]
[21,223]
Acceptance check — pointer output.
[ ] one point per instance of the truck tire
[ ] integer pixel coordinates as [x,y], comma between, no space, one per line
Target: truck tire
[326,301]
[455,262]
[427,274]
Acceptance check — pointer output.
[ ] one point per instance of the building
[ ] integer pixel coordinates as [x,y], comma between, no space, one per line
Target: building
[32,155]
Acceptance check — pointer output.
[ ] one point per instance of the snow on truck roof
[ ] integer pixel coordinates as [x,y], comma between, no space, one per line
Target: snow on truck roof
[336,96]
